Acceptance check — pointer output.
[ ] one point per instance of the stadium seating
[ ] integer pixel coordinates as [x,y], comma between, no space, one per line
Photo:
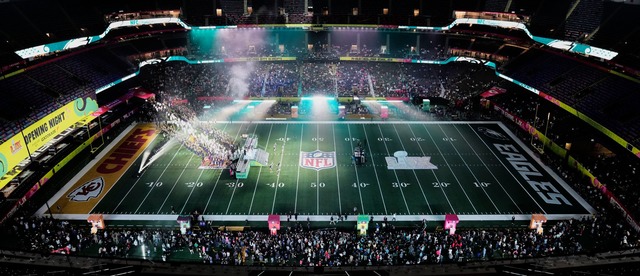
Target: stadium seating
[584,19]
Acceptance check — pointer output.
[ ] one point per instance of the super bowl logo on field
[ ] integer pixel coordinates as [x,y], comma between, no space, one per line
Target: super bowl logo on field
[89,190]
[318,160]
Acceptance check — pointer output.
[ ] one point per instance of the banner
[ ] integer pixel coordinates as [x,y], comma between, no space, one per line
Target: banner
[244,59]
[45,129]
[12,152]
[103,109]
[625,213]
[493,91]
[375,59]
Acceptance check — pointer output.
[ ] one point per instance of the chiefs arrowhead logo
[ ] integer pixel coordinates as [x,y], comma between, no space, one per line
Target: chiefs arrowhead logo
[89,190]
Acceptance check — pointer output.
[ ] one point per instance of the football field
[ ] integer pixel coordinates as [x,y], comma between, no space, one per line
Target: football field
[415,170]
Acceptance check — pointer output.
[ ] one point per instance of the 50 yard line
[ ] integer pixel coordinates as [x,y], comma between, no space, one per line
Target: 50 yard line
[333,128]
[295,205]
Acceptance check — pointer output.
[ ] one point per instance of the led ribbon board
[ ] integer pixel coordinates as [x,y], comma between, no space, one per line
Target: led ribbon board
[46,49]
[555,43]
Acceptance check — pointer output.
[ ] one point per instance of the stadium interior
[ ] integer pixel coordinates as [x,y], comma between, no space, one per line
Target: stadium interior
[276,118]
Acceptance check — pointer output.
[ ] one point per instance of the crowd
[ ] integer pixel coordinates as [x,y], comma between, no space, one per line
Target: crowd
[296,245]
[454,82]
[612,165]
[434,50]
[385,244]
[319,78]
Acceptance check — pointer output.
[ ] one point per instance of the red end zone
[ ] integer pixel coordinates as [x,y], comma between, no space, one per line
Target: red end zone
[84,194]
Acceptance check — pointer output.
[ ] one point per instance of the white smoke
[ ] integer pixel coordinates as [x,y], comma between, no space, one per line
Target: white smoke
[239,80]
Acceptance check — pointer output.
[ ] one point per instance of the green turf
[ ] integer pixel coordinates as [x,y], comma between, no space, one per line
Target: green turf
[472,176]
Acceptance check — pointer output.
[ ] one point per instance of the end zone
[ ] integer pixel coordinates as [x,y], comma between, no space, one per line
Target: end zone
[89,186]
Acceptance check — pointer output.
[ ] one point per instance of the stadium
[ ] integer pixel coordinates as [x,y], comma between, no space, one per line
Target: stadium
[319,137]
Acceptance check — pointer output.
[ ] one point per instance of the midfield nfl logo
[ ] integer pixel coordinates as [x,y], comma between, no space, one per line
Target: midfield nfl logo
[318,160]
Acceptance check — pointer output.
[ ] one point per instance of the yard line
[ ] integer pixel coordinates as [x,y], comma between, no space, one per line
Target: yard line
[434,175]
[165,169]
[295,205]
[448,166]
[236,185]
[505,166]
[471,171]
[333,128]
[394,172]
[275,195]
[218,180]
[375,170]
[175,183]
[192,189]
[487,168]
[259,173]
[127,194]
[414,171]
[357,177]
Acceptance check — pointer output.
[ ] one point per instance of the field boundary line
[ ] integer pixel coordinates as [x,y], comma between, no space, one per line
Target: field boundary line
[240,219]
